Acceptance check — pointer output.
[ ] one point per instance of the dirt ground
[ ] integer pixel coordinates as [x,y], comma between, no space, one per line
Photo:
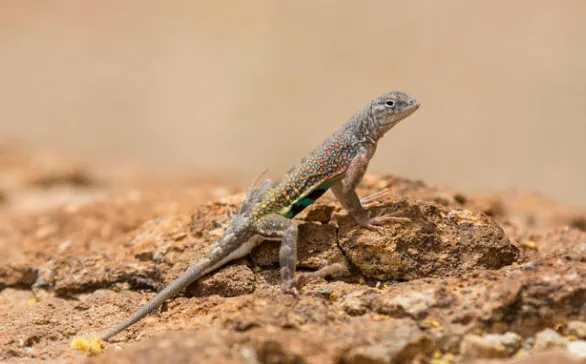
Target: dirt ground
[496,276]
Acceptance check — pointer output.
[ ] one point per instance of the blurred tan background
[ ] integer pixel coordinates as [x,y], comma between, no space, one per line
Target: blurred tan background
[226,90]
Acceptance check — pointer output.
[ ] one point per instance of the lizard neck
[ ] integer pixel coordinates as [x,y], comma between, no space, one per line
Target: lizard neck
[362,127]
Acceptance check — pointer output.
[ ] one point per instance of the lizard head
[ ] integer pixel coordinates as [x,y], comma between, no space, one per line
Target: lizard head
[388,109]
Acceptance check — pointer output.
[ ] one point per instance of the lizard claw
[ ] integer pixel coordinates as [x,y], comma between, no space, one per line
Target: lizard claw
[376,222]
[371,204]
[383,219]
[290,287]
[373,200]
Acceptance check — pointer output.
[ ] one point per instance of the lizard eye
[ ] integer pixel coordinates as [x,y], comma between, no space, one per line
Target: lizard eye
[390,103]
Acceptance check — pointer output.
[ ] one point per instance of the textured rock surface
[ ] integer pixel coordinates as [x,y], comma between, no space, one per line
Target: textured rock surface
[489,346]
[500,276]
[576,329]
[438,242]
[549,339]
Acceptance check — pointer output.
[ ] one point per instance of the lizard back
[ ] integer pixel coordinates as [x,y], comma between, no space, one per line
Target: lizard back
[306,182]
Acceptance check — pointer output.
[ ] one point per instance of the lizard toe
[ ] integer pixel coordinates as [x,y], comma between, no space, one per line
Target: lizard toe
[290,287]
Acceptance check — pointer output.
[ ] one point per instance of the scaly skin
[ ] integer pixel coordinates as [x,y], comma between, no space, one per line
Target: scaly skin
[338,163]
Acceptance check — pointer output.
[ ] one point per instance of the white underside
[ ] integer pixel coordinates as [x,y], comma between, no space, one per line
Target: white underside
[239,253]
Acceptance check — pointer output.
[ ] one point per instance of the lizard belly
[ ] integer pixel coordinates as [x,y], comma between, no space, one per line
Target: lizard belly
[238,253]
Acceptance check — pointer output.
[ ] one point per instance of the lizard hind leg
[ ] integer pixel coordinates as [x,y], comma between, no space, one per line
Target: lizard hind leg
[276,226]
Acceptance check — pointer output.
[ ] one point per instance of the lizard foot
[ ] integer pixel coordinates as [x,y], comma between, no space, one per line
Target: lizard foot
[375,223]
[290,287]
[373,200]
[293,285]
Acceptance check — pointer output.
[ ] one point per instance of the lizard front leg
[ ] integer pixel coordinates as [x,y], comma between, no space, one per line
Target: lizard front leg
[345,192]
[276,226]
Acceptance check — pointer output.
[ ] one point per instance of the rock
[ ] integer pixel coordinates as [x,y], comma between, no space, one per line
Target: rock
[75,275]
[576,328]
[374,354]
[577,348]
[561,240]
[272,351]
[107,259]
[320,213]
[548,357]
[234,280]
[17,274]
[437,242]
[154,237]
[387,343]
[414,303]
[358,303]
[549,339]
[511,341]
[490,346]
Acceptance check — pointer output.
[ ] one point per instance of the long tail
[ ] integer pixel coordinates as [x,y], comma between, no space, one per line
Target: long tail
[192,274]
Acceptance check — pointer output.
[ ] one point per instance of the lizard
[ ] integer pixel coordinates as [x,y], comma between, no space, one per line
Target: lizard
[339,163]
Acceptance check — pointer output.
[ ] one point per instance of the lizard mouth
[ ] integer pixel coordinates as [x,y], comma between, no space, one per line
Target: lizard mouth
[413,106]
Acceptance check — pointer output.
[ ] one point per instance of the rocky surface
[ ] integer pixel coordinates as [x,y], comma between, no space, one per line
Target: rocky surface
[493,277]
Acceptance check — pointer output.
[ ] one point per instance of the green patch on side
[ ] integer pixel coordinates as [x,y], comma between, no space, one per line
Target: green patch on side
[307,199]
